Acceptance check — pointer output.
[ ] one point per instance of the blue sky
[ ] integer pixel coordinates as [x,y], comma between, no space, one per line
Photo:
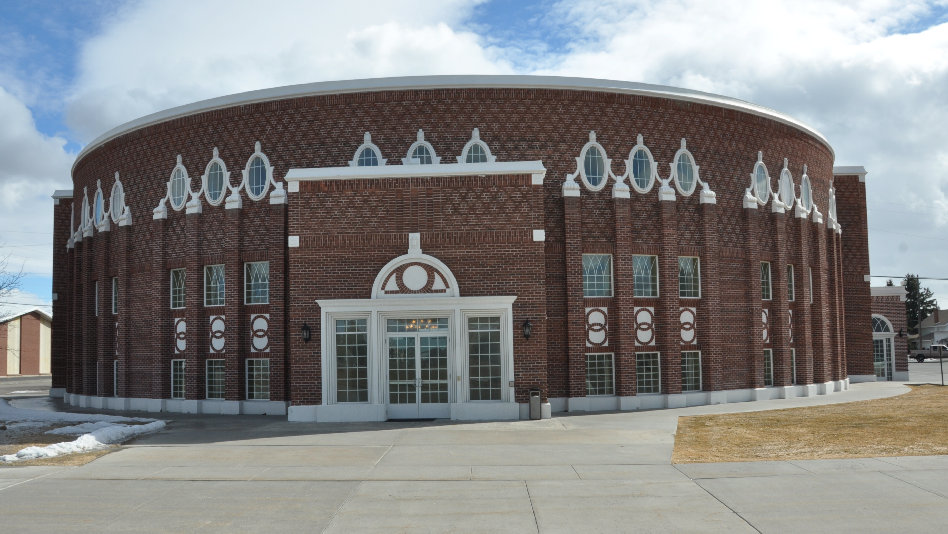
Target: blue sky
[871,76]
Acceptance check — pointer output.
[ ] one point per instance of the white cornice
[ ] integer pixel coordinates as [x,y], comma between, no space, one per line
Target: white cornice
[409,83]
[62,193]
[533,168]
[855,170]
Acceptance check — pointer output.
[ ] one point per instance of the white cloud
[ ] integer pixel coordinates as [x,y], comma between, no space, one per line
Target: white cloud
[32,165]
[161,54]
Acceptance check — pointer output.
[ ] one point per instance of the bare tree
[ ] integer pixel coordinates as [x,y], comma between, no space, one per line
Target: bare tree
[9,280]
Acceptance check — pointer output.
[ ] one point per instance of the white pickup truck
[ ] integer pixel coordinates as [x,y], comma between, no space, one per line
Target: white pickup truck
[936,351]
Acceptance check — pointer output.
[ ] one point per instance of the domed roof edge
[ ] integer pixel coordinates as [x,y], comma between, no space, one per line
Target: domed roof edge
[407,83]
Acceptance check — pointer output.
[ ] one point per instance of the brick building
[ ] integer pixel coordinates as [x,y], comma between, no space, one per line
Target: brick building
[442,246]
[889,333]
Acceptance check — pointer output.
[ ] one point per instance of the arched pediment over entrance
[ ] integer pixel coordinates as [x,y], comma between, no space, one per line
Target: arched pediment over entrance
[415,274]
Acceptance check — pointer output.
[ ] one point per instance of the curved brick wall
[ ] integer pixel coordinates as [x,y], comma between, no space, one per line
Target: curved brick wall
[481,228]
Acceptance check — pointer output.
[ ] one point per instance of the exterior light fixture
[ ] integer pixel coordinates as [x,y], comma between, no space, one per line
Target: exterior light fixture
[306,332]
[901,332]
[527,329]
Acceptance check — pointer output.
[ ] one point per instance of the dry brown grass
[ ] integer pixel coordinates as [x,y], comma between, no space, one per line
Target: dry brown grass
[914,424]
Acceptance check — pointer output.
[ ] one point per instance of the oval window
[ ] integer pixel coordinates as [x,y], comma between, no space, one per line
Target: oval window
[422,154]
[594,167]
[99,213]
[641,169]
[215,183]
[806,195]
[258,177]
[177,189]
[367,158]
[476,154]
[761,184]
[117,202]
[686,174]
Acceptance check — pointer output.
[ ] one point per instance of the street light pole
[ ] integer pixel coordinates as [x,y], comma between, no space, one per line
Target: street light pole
[941,364]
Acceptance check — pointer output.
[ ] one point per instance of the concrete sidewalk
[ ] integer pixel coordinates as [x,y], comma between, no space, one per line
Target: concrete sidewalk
[606,472]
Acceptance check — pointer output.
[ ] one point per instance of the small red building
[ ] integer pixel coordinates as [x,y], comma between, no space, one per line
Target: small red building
[25,343]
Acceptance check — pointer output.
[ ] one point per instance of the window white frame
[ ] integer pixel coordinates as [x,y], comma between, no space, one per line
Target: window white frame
[378,311]
[115,378]
[605,383]
[367,144]
[176,290]
[212,381]
[686,355]
[793,364]
[178,378]
[267,170]
[476,140]
[98,208]
[335,356]
[682,152]
[179,179]
[652,168]
[697,270]
[655,375]
[785,191]
[410,159]
[115,295]
[252,287]
[760,179]
[206,180]
[591,285]
[592,144]
[219,296]
[255,391]
[95,289]
[806,194]
[791,284]
[654,280]
[467,356]
[766,281]
[117,200]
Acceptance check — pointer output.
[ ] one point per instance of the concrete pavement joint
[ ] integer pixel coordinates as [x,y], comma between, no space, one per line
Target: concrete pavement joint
[533,509]
[715,497]
[933,492]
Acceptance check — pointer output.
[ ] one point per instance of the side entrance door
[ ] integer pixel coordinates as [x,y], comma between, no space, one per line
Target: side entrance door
[418,368]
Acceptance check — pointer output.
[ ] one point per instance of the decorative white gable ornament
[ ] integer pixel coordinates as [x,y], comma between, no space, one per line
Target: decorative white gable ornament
[415,274]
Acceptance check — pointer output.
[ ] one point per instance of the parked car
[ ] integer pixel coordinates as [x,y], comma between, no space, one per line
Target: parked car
[936,351]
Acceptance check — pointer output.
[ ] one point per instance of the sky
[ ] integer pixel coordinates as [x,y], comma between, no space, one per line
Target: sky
[871,76]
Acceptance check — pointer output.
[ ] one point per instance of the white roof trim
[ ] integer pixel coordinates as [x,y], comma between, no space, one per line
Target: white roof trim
[533,168]
[408,83]
[857,170]
[62,193]
[38,310]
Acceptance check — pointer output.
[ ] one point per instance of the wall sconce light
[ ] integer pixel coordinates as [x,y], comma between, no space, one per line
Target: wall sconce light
[307,333]
[901,332]
[527,329]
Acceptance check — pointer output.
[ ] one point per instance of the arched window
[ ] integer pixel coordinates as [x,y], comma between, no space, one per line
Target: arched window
[880,325]
[641,167]
[368,158]
[476,151]
[422,154]
[368,154]
[685,171]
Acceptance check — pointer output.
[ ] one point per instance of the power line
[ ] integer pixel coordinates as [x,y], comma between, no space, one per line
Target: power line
[903,276]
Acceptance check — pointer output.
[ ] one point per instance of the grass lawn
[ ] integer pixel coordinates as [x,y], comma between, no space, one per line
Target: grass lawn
[914,424]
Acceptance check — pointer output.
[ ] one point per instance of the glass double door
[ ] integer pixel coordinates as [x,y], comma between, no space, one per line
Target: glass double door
[882,357]
[419,368]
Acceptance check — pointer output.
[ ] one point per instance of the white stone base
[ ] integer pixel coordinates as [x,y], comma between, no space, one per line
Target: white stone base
[855,379]
[460,411]
[57,393]
[652,401]
[488,411]
[176,405]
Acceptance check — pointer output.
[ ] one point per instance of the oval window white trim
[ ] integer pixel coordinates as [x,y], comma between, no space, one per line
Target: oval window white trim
[410,158]
[683,151]
[267,173]
[476,140]
[206,180]
[179,175]
[581,164]
[630,165]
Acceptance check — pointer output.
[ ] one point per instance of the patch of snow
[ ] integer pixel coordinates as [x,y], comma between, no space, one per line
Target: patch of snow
[83,428]
[24,391]
[95,440]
